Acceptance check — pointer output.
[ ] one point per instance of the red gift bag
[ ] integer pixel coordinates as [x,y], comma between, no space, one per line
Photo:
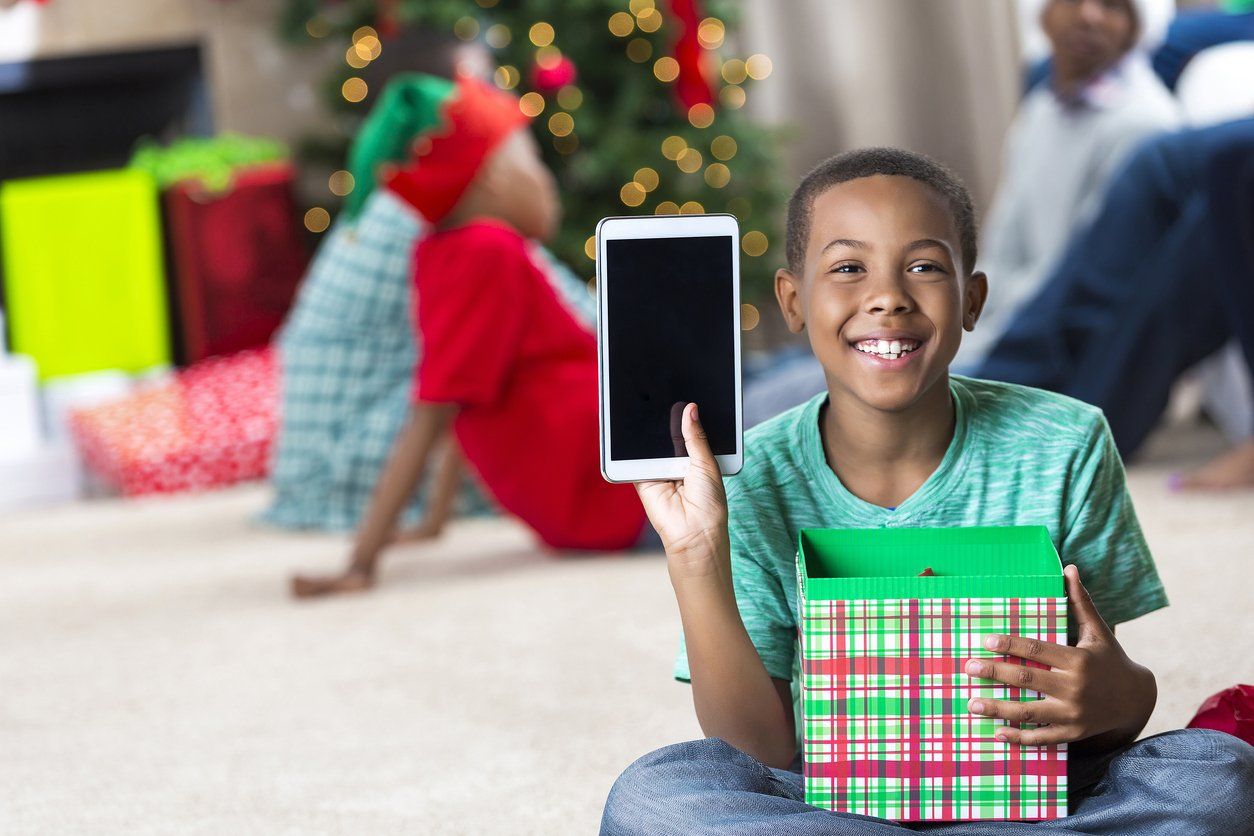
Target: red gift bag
[237,259]
[213,425]
[1230,711]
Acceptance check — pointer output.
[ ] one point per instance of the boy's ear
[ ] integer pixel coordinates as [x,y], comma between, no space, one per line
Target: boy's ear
[788,293]
[973,299]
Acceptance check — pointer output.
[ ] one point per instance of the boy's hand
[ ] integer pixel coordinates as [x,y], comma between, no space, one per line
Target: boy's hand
[1092,689]
[691,515]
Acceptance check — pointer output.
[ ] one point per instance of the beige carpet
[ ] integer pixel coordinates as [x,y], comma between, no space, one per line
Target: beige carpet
[154,677]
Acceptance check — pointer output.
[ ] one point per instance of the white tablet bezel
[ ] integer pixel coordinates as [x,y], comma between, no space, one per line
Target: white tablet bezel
[664,226]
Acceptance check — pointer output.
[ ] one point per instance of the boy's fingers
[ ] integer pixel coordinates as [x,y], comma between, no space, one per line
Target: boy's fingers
[1040,712]
[1047,653]
[1045,736]
[1089,622]
[1020,676]
[696,443]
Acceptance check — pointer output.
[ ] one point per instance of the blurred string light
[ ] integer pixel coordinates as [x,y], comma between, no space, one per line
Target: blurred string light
[621,24]
[710,33]
[561,124]
[758,66]
[631,194]
[364,32]
[717,175]
[749,317]
[466,28]
[498,36]
[666,69]
[592,285]
[667,207]
[353,59]
[506,77]
[647,178]
[649,20]
[340,183]
[354,89]
[317,219]
[673,146]
[541,34]
[754,243]
[531,104]
[723,147]
[566,144]
[548,57]
[732,97]
[590,248]
[639,50]
[691,207]
[569,97]
[689,161]
[734,71]
[368,47]
[640,6]
[701,115]
[317,27]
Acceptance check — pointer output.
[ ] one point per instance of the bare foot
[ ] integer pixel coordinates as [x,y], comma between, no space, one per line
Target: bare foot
[316,586]
[417,534]
[1232,469]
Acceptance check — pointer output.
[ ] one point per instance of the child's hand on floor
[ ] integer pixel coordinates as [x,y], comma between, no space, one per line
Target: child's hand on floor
[1091,690]
[691,515]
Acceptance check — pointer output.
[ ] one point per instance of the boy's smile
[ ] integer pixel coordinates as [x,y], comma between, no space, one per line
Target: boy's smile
[884,295]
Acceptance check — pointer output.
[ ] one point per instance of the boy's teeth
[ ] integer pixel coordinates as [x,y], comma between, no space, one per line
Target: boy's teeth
[892,349]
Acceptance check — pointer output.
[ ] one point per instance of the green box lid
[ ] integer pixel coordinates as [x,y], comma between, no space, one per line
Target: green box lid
[878,563]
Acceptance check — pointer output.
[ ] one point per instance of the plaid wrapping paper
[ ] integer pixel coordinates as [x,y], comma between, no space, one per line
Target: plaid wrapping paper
[887,730]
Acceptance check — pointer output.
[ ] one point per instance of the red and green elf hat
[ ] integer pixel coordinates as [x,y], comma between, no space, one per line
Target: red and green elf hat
[426,138]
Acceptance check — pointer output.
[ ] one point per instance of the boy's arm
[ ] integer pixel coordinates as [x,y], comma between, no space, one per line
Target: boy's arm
[734,696]
[442,496]
[427,425]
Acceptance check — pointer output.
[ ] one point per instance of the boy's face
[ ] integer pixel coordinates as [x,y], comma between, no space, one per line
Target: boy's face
[883,294]
[1088,35]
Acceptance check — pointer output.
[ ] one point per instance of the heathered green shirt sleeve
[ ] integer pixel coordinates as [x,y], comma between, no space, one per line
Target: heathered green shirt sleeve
[1103,537]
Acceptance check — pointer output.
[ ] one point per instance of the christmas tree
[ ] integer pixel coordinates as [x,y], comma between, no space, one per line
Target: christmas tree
[636,106]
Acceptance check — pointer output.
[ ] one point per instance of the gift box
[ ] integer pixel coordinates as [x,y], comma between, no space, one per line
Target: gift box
[238,255]
[83,276]
[212,425]
[889,619]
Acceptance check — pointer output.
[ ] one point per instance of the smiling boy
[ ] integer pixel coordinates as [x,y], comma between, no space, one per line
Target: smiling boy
[881,244]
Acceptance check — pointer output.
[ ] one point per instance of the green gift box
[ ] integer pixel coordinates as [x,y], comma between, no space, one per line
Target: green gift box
[889,619]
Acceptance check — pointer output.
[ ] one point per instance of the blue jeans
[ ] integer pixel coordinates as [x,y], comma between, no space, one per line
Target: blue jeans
[1192,781]
[1160,280]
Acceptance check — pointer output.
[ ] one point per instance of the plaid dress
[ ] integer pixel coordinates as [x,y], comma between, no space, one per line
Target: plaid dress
[348,354]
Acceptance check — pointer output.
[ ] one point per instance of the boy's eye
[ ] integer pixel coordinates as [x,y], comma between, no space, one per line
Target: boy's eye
[846,268]
[925,267]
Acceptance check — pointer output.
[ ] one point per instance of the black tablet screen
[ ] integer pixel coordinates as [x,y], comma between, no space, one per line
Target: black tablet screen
[671,342]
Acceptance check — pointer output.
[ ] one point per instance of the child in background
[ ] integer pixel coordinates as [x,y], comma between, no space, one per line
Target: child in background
[880,247]
[348,348]
[504,363]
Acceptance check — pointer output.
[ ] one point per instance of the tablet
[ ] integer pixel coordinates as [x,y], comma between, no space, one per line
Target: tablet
[668,334]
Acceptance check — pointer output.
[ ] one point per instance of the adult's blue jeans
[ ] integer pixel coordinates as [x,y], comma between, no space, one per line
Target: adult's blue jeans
[1193,781]
[1162,278]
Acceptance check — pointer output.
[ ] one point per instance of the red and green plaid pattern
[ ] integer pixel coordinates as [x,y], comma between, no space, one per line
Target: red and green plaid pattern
[887,730]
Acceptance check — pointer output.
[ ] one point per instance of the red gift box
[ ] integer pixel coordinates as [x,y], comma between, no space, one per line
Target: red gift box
[213,425]
[237,258]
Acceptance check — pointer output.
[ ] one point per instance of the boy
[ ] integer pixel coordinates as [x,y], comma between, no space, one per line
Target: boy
[504,363]
[881,245]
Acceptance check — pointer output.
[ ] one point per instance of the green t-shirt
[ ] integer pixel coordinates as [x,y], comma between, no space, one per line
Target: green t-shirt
[1019,456]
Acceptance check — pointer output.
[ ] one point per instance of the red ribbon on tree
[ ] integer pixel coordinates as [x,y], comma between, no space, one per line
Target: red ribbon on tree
[691,86]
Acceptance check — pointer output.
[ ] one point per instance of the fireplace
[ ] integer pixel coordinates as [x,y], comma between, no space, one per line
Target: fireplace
[86,111]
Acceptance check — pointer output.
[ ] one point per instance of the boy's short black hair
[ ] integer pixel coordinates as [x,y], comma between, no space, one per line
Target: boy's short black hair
[868,162]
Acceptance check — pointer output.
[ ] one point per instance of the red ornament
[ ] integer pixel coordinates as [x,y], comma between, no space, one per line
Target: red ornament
[549,80]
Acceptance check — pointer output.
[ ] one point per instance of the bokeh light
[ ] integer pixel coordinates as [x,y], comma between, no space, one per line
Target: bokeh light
[758,66]
[340,183]
[639,50]
[354,89]
[723,147]
[666,69]
[647,178]
[749,317]
[754,243]
[673,146]
[717,175]
[701,115]
[734,71]
[691,207]
[732,97]
[561,124]
[531,104]
[317,219]
[498,36]
[689,161]
[569,97]
[710,33]
[506,77]
[541,34]
[631,194]
[621,24]
[667,207]
[466,28]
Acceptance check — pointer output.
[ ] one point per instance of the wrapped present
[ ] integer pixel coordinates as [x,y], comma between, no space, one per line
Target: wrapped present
[212,425]
[83,275]
[889,619]
[238,256]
